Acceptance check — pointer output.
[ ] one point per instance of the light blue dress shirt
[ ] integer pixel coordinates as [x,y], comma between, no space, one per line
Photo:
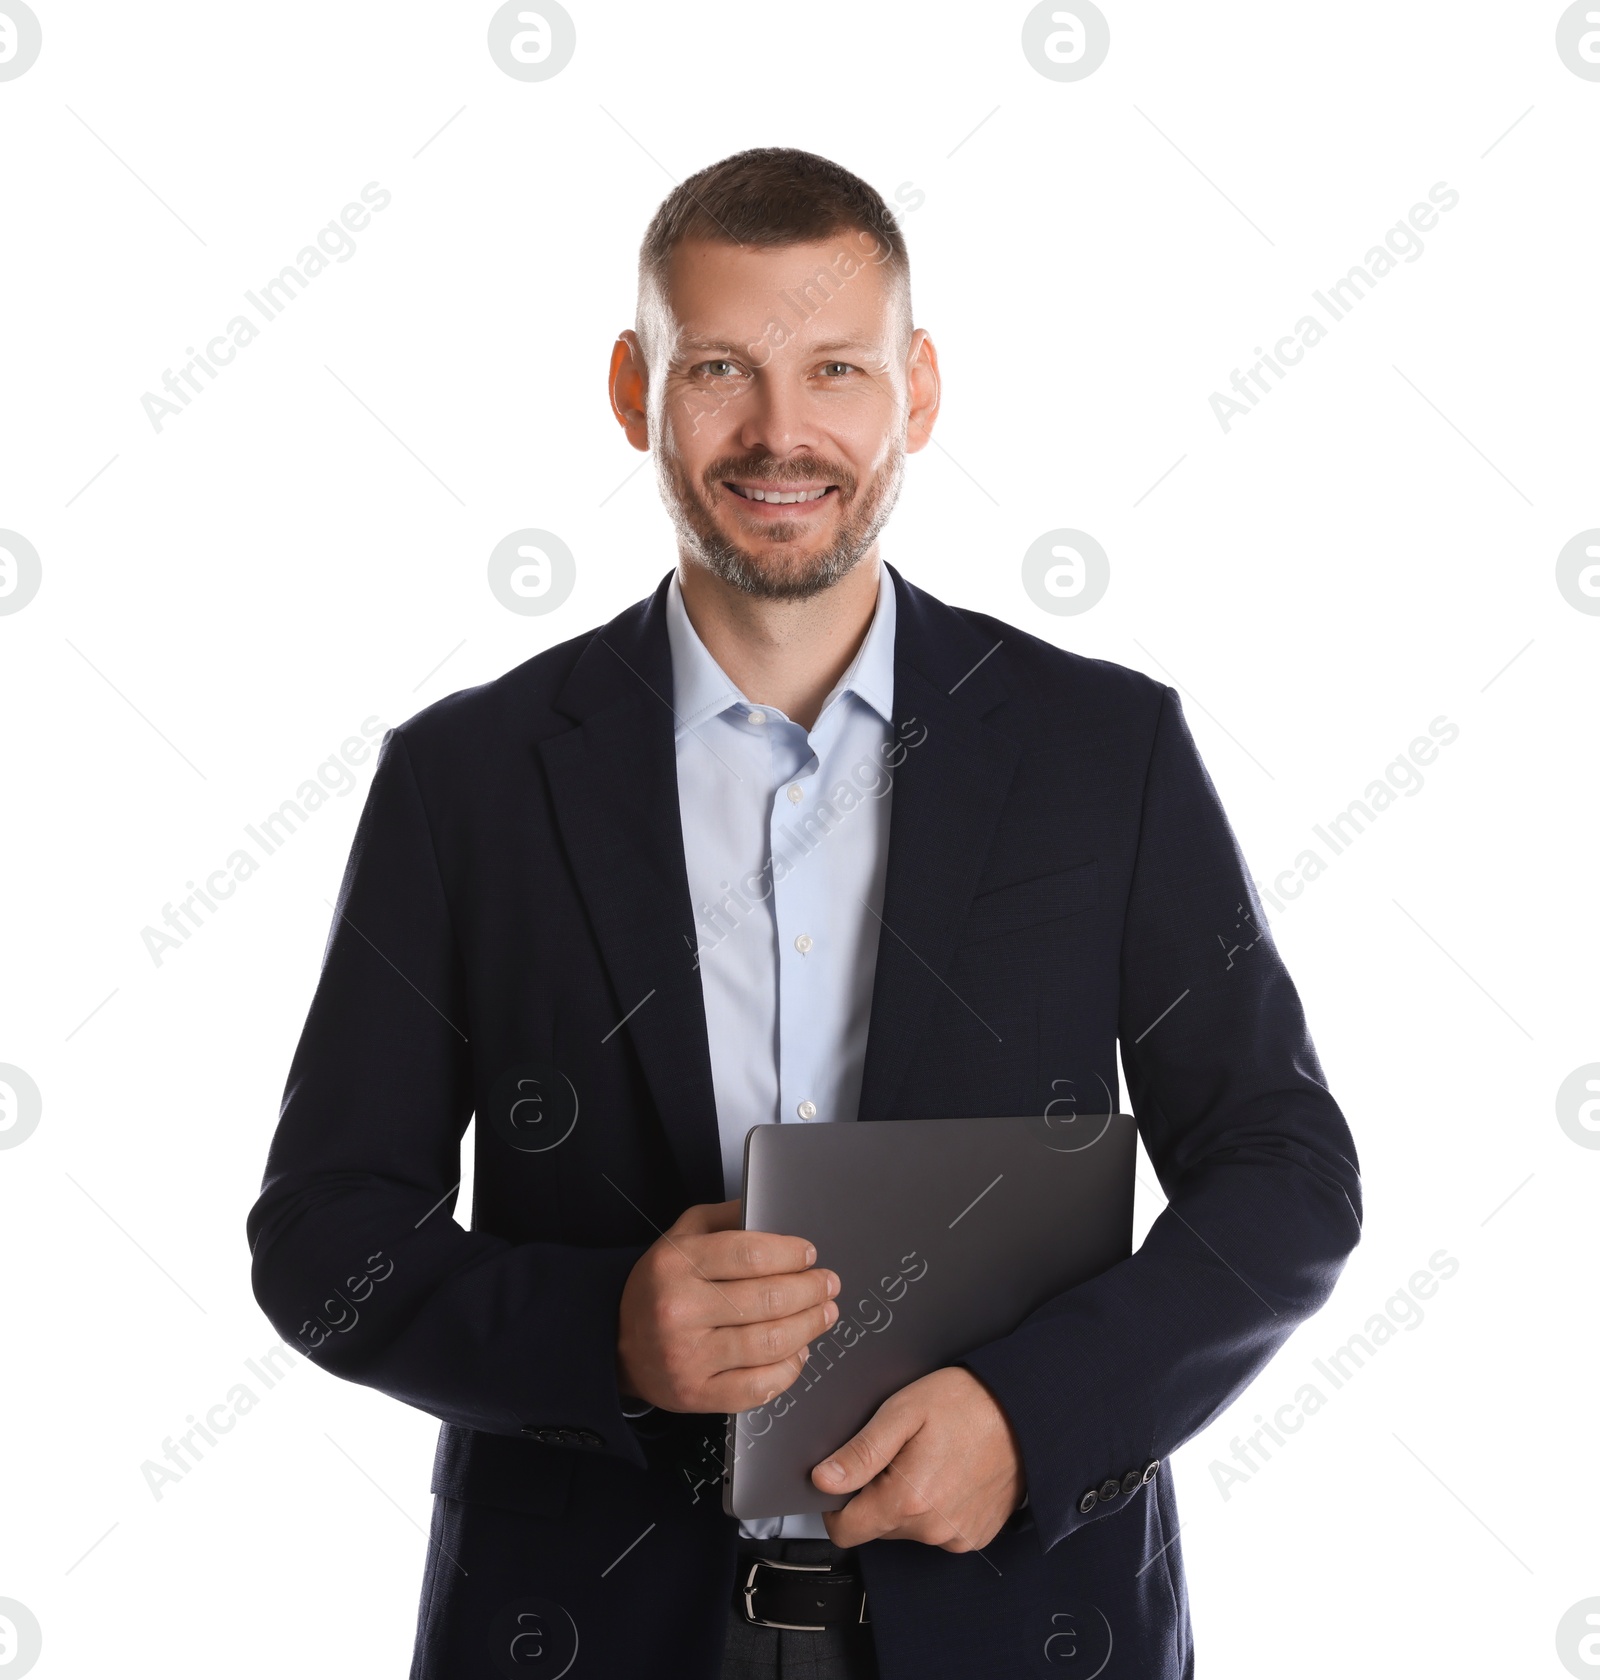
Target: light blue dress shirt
[786,838]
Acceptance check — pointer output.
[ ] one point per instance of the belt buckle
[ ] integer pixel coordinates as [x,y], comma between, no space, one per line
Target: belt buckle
[788,1627]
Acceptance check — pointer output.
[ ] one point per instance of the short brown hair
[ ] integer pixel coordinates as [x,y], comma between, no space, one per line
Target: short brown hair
[766,197]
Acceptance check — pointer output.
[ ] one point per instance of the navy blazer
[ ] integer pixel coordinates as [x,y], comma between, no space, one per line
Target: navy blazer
[515,928]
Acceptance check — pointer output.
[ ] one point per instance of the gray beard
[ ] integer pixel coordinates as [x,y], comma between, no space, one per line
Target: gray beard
[700,538]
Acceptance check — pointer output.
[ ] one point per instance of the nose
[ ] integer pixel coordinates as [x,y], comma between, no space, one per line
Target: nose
[777,420]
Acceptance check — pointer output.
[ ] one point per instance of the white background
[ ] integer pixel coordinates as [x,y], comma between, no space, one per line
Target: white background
[304,547]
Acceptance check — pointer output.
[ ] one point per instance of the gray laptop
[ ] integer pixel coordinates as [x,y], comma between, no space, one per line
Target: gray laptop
[945,1234]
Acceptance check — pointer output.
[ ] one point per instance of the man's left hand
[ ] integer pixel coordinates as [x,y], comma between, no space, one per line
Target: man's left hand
[938,1462]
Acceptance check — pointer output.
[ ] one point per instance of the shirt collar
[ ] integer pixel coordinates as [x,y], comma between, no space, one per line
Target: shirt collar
[701,689]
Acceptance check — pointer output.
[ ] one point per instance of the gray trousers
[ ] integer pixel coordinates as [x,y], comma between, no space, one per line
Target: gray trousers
[758,1653]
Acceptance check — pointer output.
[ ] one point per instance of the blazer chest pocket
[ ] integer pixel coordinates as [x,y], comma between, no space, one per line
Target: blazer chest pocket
[1031,904]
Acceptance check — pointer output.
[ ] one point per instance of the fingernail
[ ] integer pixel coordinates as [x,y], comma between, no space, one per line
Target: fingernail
[811,1253]
[833,1470]
[833,1283]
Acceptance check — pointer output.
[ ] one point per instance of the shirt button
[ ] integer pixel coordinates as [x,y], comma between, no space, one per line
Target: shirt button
[807,1110]
[803,943]
[796,794]
[756,717]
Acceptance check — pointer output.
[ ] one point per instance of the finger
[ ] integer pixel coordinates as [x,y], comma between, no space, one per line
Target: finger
[868,1516]
[852,1528]
[722,1216]
[746,1389]
[745,1303]
[701,1217]
[869,1449]
[896,1506]
[766,1341]
[887,1508]
[720,1255]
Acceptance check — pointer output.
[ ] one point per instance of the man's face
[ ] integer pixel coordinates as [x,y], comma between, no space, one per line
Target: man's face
[779,393]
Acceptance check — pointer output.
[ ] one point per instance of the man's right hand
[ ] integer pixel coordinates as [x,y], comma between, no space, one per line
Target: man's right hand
[715,1319]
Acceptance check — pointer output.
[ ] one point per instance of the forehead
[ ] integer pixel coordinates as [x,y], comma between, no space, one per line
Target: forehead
[718,294]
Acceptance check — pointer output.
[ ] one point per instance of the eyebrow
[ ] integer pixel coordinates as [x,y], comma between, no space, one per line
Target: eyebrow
[696,346]
[703,346]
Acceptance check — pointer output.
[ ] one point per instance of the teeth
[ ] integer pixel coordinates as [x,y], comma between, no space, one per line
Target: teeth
[790,496]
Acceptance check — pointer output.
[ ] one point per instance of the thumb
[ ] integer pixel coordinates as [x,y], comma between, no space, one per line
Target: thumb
[868,1450]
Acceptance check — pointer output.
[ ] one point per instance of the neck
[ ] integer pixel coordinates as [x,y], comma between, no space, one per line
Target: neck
[784,654]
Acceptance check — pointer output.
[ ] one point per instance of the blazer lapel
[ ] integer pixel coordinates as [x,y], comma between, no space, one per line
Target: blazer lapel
[614,787]
[949,790]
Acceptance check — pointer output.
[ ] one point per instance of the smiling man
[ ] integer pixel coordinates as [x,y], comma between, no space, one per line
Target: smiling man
[788,842]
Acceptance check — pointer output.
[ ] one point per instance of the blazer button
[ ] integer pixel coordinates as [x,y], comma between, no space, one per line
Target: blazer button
[1089,1501]
[588,1438]
[1130,1481]
[1150,1470]
[1110,1488]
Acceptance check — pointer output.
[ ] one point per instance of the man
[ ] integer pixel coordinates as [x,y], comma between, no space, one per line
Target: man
[788,842]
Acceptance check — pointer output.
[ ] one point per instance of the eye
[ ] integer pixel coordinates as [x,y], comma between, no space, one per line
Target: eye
[835,369]
[718,369]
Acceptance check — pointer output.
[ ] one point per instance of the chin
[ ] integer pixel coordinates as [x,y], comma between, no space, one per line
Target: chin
[778,553]
[782,576]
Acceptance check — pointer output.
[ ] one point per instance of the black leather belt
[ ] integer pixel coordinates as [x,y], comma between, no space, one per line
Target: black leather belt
[800,1597]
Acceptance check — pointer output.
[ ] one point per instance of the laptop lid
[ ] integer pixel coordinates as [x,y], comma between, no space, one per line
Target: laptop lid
[945,1234]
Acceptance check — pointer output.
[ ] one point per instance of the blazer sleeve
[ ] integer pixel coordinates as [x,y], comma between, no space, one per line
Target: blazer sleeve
[1253,1154]
[356,1259]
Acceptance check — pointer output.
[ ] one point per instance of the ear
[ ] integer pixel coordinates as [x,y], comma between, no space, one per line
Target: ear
[627,386]
[922,391]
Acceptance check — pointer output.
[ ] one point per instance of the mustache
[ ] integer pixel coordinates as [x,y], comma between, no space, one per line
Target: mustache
[779,472]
